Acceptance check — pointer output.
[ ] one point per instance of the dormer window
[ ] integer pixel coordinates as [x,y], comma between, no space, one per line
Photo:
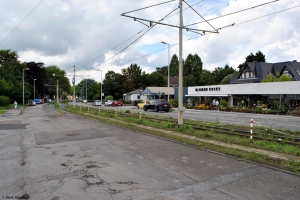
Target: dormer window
[287,73]
[247,75]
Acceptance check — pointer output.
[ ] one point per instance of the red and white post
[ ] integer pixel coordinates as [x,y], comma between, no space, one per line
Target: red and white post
[140,113]
[251,130]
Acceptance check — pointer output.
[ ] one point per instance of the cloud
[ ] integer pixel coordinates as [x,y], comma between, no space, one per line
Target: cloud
[86,33]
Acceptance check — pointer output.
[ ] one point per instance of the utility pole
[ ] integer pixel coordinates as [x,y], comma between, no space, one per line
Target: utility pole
[74,100]
[57,98]
[180,90]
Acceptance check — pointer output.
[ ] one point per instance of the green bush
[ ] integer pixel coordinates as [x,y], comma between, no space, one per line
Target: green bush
[108,98]
[173,103]
[4,101]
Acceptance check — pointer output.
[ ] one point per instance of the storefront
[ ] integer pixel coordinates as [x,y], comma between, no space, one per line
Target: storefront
[248,94]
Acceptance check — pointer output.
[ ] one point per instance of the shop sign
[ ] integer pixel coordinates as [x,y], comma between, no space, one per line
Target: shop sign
[207,89]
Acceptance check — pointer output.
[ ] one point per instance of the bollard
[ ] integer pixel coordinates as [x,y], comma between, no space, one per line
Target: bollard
[88,109]
[251,130]
[140,112]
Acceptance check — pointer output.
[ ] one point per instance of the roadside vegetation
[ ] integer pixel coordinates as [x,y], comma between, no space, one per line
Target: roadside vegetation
[202,139]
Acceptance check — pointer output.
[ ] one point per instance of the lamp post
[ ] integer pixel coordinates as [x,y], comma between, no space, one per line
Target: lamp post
[23,83]
[168,67]
[86,90]
[101,85]
[34,89]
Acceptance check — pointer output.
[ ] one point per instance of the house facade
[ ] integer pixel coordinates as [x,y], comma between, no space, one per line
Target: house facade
[254,72]
[134,95]
[247,87]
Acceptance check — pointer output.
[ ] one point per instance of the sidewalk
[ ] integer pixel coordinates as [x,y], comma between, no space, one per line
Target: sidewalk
[13,112]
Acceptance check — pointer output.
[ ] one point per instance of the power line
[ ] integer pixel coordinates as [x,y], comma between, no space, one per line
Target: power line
[21,22]
[197,35]
[231,13]
[132,37]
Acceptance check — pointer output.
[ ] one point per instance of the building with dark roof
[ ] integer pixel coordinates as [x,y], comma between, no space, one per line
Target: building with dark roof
[254,72]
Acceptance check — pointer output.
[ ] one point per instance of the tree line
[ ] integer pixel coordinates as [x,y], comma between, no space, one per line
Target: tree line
[114,84]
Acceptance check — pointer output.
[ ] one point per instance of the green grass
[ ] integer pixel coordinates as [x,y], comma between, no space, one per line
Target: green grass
[127,119]
[2,111]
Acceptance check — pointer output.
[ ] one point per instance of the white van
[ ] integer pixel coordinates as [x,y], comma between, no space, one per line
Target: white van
[97,103]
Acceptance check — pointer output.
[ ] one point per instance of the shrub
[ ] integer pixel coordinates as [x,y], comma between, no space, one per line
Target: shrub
[173,103]
[4,101]
[108,98]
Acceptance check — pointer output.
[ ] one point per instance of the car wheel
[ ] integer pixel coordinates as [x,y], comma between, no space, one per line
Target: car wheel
[166,110]
[137,107]
[145,109]
[156,109]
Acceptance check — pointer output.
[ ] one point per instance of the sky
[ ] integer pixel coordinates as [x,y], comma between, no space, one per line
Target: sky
[93,36]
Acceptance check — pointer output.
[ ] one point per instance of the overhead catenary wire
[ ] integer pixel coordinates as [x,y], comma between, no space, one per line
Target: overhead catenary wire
[21,22]
[231,13]
[193,37]
[200,16]
[132,42]
[197,35]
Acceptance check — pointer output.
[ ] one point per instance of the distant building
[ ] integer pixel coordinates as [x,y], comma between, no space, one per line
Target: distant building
[159,92]
[173,82]
[254,72]
[134,95]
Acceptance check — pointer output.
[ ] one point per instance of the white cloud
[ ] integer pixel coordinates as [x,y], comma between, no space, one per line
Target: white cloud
[68,33]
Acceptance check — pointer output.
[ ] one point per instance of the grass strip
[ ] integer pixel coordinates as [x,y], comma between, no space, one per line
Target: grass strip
[160,131]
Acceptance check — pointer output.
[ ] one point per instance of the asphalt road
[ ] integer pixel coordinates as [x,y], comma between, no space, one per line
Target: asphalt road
[282,122]
[66,157]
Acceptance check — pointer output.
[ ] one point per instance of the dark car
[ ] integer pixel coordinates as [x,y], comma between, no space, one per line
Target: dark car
[158,105]
[116,103]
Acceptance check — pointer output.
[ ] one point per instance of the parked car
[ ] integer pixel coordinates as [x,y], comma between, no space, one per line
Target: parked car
[142,103]
[37,101]
[84,101]
[108,102]
[97,103]
[31,103]
[116,103]
[41,101]
[158,105]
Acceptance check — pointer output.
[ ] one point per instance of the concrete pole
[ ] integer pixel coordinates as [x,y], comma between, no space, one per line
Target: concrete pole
[86,90]
[57,98]
[23,85]
[101,86]
[74,100]
[180,89]
[168,72]
[34,89]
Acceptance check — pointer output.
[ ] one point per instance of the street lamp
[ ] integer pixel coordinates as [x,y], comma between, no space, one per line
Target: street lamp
[57,97]
[34,89]
[101,85]
[168,67]
[23,83]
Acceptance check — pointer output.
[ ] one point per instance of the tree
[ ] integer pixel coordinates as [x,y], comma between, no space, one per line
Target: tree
[206,78]
[276,78]
[192,70]
[155,79]
[112,84]
[258,57]
[132,78]
[54,73]
[84,87]
[228,78]
[174,66]
[11,74]
[220,73]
